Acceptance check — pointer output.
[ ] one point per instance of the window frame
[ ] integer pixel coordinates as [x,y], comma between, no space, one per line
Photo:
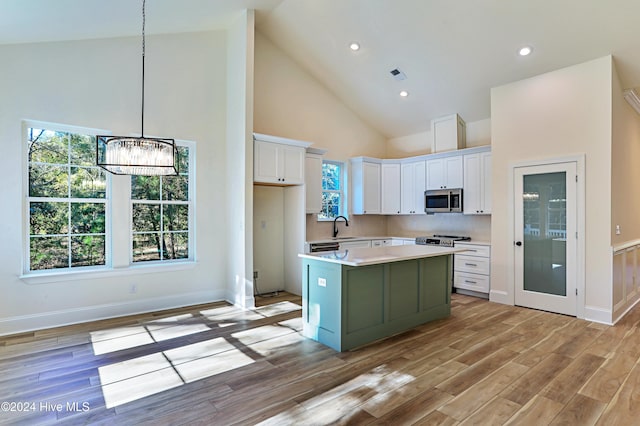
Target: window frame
[342,208]
[118,197]
[190,220]
[27,199]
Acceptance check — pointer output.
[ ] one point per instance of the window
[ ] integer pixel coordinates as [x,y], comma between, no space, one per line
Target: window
[161,210]
[332,190]
[66,201]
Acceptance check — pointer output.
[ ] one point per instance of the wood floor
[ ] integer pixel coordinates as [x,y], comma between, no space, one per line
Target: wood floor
[487,364]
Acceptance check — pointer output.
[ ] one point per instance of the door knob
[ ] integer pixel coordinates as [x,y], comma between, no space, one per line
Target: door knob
[518,243]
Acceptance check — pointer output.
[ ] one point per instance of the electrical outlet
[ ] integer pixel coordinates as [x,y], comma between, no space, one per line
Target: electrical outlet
[255,275]
[133,288]
[617,229]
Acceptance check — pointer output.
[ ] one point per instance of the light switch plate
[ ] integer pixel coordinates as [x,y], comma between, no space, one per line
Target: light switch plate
[322,282]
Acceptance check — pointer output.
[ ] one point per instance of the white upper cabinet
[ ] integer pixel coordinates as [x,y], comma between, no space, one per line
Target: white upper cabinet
[412,187]
[365,186]
[313,183]
[278,161]
[445,172]
[390,188]
[477,183]
[448,133]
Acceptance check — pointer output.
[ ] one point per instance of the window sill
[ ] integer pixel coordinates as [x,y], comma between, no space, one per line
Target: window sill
[54,277]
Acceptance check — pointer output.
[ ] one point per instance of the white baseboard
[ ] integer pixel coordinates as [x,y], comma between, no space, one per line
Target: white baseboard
[500,296]
[26,323]
[619,315]
[600,315]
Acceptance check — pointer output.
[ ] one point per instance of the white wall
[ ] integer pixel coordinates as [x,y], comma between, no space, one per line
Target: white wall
[561,113]
[289,102]
[478,134]
[239,200]
[625,178]
[96,84]
[625,206]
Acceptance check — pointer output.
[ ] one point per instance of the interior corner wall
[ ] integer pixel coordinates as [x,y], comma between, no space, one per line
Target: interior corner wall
[289,102]
[625,177]
[560,113]
[478,134]
[239,155]
[72,83]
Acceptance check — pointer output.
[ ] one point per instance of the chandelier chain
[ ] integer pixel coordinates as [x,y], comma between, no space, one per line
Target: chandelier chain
[143,48]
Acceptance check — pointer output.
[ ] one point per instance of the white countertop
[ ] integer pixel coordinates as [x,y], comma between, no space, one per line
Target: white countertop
[360,238]
[376,255]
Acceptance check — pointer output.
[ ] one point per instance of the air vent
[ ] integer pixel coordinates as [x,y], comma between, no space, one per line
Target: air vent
[398,75]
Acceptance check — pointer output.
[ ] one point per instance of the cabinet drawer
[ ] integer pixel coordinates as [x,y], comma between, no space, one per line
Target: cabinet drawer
[471,282]
[474,250]
[478,265]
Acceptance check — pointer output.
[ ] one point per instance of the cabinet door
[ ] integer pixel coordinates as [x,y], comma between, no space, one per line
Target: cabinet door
[265,162]
[472,192]
[485,160]
[371,188]
[390,188]
[412,186]
[419,177]
[435,174]
[445,173]
[453,172]
[291,159]
[313,183]
[407,188]
[477,183]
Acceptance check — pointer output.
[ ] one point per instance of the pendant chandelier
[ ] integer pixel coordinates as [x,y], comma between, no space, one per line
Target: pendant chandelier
[129,155]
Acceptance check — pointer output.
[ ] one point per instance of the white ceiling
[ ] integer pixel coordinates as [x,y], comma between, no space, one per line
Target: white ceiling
[452,51]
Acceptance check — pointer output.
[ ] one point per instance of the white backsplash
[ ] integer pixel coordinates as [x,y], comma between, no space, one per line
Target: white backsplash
[359,226]
[477,227]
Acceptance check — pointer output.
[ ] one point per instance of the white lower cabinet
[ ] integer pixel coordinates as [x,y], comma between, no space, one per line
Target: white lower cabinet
[472,268]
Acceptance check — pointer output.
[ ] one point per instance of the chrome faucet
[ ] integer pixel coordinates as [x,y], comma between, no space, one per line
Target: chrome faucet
[335,228]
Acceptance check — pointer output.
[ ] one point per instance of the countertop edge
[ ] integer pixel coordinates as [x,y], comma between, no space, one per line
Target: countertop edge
[376,261]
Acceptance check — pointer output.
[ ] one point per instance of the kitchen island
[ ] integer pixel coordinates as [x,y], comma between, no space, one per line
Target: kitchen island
[354,297]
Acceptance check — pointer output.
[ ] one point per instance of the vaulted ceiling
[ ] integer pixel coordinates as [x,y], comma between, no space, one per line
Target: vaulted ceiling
[452,52]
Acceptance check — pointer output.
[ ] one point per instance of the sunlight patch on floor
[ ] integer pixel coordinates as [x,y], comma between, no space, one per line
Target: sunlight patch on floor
[230,315]
[253,335]
[117,339]
[177,331]
[278,309]
[277,344]
[210,366]
[353,393]
[137,378]
[123,342]
[137,387]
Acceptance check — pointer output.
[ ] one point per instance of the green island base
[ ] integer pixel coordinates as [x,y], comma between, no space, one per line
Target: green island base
[349,306]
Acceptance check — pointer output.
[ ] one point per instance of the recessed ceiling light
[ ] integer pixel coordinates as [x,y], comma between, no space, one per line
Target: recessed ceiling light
[524,51]
[404,93]
[354,46]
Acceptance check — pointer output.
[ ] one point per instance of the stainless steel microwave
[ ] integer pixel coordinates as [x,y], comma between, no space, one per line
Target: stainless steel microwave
[443,201]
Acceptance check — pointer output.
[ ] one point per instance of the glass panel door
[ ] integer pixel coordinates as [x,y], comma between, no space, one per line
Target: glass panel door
[545,233]
[545,246]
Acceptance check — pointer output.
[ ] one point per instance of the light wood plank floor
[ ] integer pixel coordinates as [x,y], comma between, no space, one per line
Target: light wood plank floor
[487,364]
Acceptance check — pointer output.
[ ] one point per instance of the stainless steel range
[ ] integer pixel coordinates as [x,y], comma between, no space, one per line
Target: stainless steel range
[441,240]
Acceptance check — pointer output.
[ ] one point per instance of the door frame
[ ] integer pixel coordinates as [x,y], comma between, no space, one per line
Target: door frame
[580,224]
